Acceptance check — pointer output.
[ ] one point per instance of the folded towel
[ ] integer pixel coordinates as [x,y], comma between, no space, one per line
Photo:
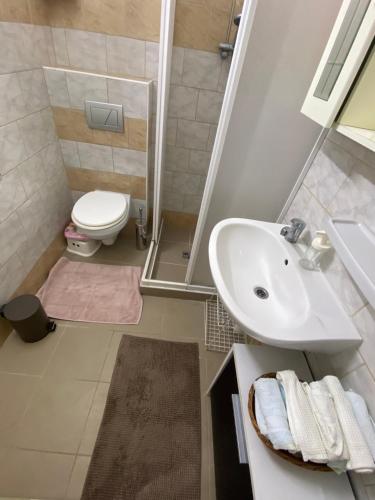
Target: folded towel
[271,414]
[301,418]
[260,418]
[360,458]
[323,407]
[365,422]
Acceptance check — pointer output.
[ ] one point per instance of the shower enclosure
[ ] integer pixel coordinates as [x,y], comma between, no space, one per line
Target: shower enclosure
[191,93]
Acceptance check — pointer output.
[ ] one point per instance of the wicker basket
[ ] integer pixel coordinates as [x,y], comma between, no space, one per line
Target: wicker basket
[289,457]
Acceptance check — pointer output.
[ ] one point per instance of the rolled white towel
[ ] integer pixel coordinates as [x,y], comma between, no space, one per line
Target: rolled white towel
[271,414]
[301,418]
[323,407]
[360,458]
[365,422]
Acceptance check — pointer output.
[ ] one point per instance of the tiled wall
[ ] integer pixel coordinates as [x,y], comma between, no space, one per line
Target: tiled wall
[124,156]
[199,76]
[196,94]
[198,82]
[200,24]
[341,183]
[34,197]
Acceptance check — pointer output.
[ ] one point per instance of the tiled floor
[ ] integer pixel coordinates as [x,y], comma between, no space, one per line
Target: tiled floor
[170,265]
[123,252]
[53,392]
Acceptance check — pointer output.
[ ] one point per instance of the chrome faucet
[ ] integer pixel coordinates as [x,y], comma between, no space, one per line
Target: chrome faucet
[293,232]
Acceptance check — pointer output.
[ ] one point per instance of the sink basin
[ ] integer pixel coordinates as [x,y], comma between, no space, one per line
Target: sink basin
[269,295]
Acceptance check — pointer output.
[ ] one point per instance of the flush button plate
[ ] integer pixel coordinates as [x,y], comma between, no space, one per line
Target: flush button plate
[104,116]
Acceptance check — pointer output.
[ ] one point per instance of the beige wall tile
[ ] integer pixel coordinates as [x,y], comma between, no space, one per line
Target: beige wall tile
[142,19]
[89,180]
[15,11]
[179,219]
[129,18]
[71,125]
[202,25]
[38,12]
[137,132]
[65,14]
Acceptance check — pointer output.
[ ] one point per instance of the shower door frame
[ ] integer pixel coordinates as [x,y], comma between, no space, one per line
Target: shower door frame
[165,56]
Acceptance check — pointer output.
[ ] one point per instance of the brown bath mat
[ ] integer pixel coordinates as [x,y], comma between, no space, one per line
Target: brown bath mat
[96,293]
[149,442]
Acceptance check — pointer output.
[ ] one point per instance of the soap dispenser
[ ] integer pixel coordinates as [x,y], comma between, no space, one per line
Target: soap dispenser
[319,245]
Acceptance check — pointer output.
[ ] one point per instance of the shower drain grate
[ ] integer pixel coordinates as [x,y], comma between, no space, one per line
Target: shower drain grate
[220,331]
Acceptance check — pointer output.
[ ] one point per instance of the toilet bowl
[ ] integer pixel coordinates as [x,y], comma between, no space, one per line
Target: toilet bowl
[101,215]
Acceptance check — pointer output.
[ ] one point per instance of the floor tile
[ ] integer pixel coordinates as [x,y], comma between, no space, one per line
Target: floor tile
[17,356]
[213,360]
[122,253]
[33,474]
[16,392]
[110,360]
[169,272]
[170,252]
[151,320]
[77,481]
[184,318]
[175,233]
[81,352]
[94,420]
[57,416]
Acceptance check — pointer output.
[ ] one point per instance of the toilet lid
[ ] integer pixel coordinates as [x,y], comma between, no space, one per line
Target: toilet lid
[99,208]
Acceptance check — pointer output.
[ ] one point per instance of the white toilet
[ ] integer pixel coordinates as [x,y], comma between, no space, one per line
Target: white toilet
[101,215]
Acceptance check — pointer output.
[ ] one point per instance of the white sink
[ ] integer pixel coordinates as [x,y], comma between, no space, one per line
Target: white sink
[300,312]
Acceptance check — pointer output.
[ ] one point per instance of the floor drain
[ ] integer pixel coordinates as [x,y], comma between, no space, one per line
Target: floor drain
[261,292]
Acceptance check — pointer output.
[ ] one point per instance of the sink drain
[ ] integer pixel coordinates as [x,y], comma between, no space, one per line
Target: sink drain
[261,292]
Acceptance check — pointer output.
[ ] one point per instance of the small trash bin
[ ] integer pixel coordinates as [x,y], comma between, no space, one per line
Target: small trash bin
[27,316]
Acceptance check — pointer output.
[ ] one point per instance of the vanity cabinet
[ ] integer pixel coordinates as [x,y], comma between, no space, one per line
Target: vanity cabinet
[230,474]
[342,93]
[266,476]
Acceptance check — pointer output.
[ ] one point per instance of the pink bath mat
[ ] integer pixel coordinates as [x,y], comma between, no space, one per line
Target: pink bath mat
[96,293]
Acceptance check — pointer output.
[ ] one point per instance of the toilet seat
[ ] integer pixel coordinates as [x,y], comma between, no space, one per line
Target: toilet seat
[100,210]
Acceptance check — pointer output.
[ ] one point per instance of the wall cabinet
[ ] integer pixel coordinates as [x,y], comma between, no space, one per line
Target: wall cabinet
[342,93]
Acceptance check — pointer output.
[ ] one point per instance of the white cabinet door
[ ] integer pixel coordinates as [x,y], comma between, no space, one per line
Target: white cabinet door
[351,37]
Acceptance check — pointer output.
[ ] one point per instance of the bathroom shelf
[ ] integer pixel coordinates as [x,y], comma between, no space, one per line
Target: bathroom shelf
[355,244]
